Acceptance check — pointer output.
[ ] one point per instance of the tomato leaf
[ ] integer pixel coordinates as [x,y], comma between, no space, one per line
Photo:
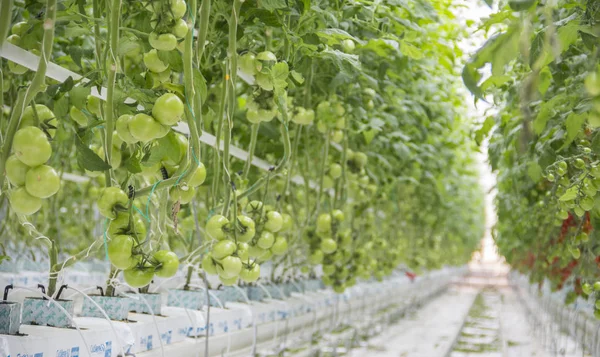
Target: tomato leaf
[88,159]
[78,95]
[61,107]
[570,195]
[272,5]
[521,5]
[573,124]
[534,171]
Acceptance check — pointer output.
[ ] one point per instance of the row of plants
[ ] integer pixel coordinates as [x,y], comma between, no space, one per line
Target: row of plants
[543,138]
[354,104]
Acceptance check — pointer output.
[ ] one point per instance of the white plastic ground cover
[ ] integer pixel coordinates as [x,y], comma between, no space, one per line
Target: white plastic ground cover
[320,310]
[27,59]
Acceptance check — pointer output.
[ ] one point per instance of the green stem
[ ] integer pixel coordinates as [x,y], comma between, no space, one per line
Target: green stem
[251,148]
[217,152]
[322,171]
[53,254]
[110,289]
[203,28]
[292,159]
[5,17]
[112,62]
[342,181]
[97,14]
[35,87]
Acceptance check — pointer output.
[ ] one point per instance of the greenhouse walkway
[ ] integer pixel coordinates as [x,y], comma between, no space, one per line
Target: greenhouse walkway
[482,315]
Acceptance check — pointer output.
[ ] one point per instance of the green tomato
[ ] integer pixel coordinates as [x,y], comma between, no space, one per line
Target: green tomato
[256,252]
[168,109]
[16,68]
[304,116]
[274,221]
[184,196]
[338,215]
[360,158]
[337,136]
[243,251]
[120,252]
[335,171]
[138,277]
[215,227]
[94,105]
[153,62]
[597,286]
[115,159]
[586,288]
[208,265]
[111,198]
[266,240]
[246,229]
[247,64]
[122,126]
[144,128]
[287,224]
[254,207]
[180,29]
[78,116]
[24,203]
[198,176]
[178,8]
[120,226]
[268,254]
[252,116]
[228,282]
[324,222]
[280,246]
[223,249]
[348,45]
[592,84]
[579,163]
[45,115]
[42,181]
[316,257]
[328,269]
[20,28]
[328,245]
[229,267]
[16,171]
[250,274]
[31,146]
[169,263]
[162,42]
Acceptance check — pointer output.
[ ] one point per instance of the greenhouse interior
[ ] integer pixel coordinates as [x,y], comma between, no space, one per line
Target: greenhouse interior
[300,178]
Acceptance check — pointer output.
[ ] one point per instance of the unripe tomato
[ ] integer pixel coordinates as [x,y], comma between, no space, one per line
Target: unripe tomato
[360,158]
[16,171]
[138,277]
[287,222]
[247,63]
[274,221]
[250,274]
[328,269]
[228,282]
[198,176]
[208,265]
[304,116]
[23,203]
[120,226]
[324,222]
[115,159]
[337,136]
[246,229]
[243,251]
[45,116]
[162,42]
[348,45]
[42,181]
[31,146]
[340,123]
[153,62]
[229,267]
[110,198]
[280,246]
[178,8]
[122,127]
[120,250]
[592,84]
[338,215]
[223,249]
[144,128]
[168,109]
[328,182]
[20,28]
[16,68]
[316,257]
[335,171]
[328,245]
[169,263]
[266,240]
[180,29]
[256,251]
[78,116]
[215,227]
[184,196]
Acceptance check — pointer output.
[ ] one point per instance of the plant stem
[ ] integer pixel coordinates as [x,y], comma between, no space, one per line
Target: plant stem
[217,153]
[322,172]
[251,148]
[203,29]
[5,17]
[36,85]
[53,254]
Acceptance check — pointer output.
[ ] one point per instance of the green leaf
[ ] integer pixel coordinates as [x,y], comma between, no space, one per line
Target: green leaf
[574,123]
[133,163]
[369,135]
[61,107]
[264,81]
[568,35]
[482,132]
[470,77]
[279,75]
[539,123]
[495,81]
[173,59]
[534,171]
[345,62]
[570,195]
[127,45]
[200,84]
[545,80]
[272,5]
[166,147]
[521,5]
[73,30]
[88,159]
[298,77]
[334,36]
[78,95]
[411,51]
